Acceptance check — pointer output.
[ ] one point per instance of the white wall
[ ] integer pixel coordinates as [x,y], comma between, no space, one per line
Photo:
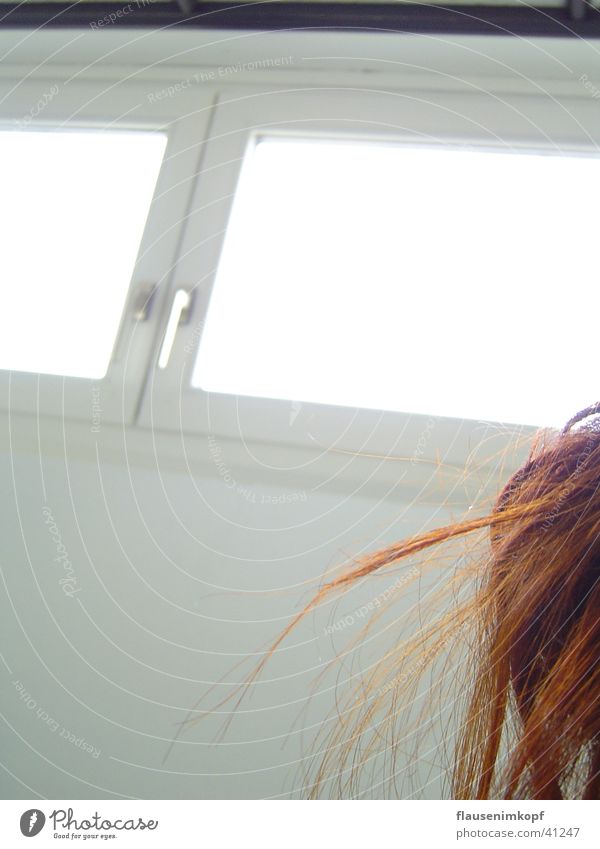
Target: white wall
[178,577]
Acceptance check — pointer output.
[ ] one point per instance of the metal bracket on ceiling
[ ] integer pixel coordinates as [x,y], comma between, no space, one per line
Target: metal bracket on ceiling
[186,6]
[577,9]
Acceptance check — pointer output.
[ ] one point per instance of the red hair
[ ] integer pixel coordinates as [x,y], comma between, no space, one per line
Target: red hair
[530,728]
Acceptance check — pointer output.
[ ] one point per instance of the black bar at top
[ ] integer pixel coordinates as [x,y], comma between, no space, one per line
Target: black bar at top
[273,16]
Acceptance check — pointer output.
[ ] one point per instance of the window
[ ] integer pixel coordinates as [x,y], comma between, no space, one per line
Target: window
[96,183]
[356,262]
[72,214]
[407,278]
[345,322]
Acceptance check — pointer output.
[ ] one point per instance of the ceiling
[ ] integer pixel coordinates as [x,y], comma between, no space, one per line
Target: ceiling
[557,18]
[538,4]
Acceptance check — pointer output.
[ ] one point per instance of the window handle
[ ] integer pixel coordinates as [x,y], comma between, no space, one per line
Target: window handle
[137,310]
[181,310]
[143,303]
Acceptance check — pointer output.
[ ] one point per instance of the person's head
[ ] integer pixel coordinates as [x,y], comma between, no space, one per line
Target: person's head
[529,635]
[543,649]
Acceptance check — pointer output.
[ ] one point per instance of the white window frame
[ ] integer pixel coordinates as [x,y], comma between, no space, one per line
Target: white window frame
[479,117]
[125,105]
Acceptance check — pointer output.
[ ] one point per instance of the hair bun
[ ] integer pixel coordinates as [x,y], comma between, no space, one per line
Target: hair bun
[592,410]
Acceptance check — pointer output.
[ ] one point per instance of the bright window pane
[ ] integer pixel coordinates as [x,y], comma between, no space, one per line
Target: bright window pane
[446,281]
[72,213]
